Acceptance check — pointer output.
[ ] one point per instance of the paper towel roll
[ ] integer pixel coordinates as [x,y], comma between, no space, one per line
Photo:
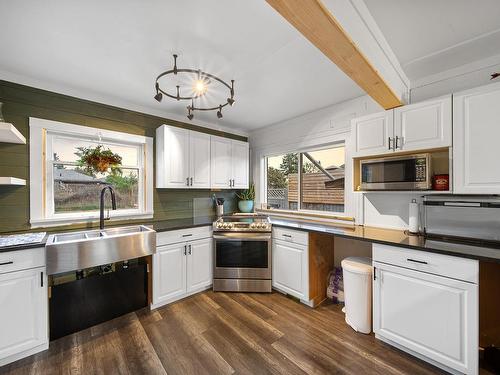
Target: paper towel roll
[413,217]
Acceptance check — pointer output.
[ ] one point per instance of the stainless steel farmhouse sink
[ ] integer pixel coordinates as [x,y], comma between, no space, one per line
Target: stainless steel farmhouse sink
[78,250]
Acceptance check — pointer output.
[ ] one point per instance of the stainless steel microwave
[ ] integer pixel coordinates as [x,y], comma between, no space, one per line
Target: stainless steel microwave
[406,172]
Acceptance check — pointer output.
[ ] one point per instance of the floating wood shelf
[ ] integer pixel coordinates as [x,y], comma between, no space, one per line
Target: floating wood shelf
[9,134]
[12,181]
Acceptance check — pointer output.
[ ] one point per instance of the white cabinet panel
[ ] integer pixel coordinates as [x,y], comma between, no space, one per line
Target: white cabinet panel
[423,125]
[23,312]
[434,316]
[372,134]
[221,166]
[172,157]
[290,269]
[476,134]
[199,160]
[240,164]
[199,264]
[182,265]
[169,273]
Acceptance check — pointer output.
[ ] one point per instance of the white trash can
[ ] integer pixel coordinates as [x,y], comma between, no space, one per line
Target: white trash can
[358,293]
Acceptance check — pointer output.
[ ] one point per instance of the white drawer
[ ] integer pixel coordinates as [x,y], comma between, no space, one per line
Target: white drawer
[438,264]
[22,259]
[183,235]
[290,235]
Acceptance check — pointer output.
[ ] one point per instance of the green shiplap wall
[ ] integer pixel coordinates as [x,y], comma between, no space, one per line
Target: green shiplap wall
[21,102]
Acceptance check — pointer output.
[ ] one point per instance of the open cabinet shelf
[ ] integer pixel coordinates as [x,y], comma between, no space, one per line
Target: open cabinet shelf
[14,181]
[9,134]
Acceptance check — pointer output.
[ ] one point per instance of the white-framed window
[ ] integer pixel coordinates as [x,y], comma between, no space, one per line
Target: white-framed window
[308,181]
[63,192]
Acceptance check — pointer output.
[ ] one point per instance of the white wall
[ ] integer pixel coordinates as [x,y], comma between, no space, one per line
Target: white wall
[321,127]
[327,125]
[462,78]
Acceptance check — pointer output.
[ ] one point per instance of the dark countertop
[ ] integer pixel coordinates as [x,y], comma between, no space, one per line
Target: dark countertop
[363,233]
[173,224]
[158,226]
[397,238]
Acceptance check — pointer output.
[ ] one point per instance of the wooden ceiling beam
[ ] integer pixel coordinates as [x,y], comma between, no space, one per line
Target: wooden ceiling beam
[313,20]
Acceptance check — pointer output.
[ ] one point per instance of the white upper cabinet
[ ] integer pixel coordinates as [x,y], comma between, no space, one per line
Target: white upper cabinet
[182,158]
[230,163]
[240,164]
[373,133]
[423,125]
[420,126]
[476,134]
[172,157]
[186,159]
[221,163]
[199,160]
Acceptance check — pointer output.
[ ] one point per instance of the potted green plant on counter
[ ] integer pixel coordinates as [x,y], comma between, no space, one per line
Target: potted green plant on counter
[246,197]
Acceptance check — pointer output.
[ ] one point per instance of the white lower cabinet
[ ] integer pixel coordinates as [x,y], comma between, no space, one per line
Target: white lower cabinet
[429,315]
[291,263]
[182,268]
[23,312]
[199,265]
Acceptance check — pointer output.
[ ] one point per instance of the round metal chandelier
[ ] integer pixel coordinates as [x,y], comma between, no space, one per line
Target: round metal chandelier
[202,81]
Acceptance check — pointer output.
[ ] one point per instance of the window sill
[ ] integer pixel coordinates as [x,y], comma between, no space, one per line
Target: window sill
[70,220]
[334,218]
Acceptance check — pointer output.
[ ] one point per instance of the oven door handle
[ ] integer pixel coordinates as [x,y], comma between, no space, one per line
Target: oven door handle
[222,237]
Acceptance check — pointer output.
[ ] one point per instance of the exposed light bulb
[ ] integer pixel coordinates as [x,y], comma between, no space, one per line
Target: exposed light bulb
[200,87]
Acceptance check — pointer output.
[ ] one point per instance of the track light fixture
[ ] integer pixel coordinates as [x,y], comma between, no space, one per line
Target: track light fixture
[158,95]
[201,86]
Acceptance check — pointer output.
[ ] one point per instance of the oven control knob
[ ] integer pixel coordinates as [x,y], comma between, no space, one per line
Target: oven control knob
[224,225]
[253,225]
[230,225]
[219,225]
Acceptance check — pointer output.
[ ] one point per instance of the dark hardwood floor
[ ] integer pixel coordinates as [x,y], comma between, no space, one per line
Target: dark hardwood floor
[223,333]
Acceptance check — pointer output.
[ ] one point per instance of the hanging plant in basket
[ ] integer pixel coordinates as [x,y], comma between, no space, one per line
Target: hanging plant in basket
[94,160]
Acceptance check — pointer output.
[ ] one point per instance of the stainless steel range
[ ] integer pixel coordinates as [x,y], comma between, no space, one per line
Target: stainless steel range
[242,261]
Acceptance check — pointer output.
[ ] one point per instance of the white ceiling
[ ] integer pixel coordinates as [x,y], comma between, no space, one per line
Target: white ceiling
[432,36]
[111,51]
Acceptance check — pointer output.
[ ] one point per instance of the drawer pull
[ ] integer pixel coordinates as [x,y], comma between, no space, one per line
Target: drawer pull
[416,261]
[287,235]
[187,235]
[5,263]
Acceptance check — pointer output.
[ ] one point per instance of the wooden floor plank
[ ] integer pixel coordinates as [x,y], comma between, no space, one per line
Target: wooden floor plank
[223,333]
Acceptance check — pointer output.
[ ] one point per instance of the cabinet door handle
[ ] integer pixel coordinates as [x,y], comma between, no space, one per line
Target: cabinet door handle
[191,181]
[374,273]
[41,279]
[187,181]
[185,249]
[416,261]
[190,252]
[187,235]
[396,144]
[389,143]
[5,263]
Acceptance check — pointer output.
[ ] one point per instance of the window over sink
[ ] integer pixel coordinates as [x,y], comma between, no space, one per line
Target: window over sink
[63,190]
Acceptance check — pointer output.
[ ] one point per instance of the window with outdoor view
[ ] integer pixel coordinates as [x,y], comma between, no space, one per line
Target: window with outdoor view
[71,164]
[77,186]
[307,181]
